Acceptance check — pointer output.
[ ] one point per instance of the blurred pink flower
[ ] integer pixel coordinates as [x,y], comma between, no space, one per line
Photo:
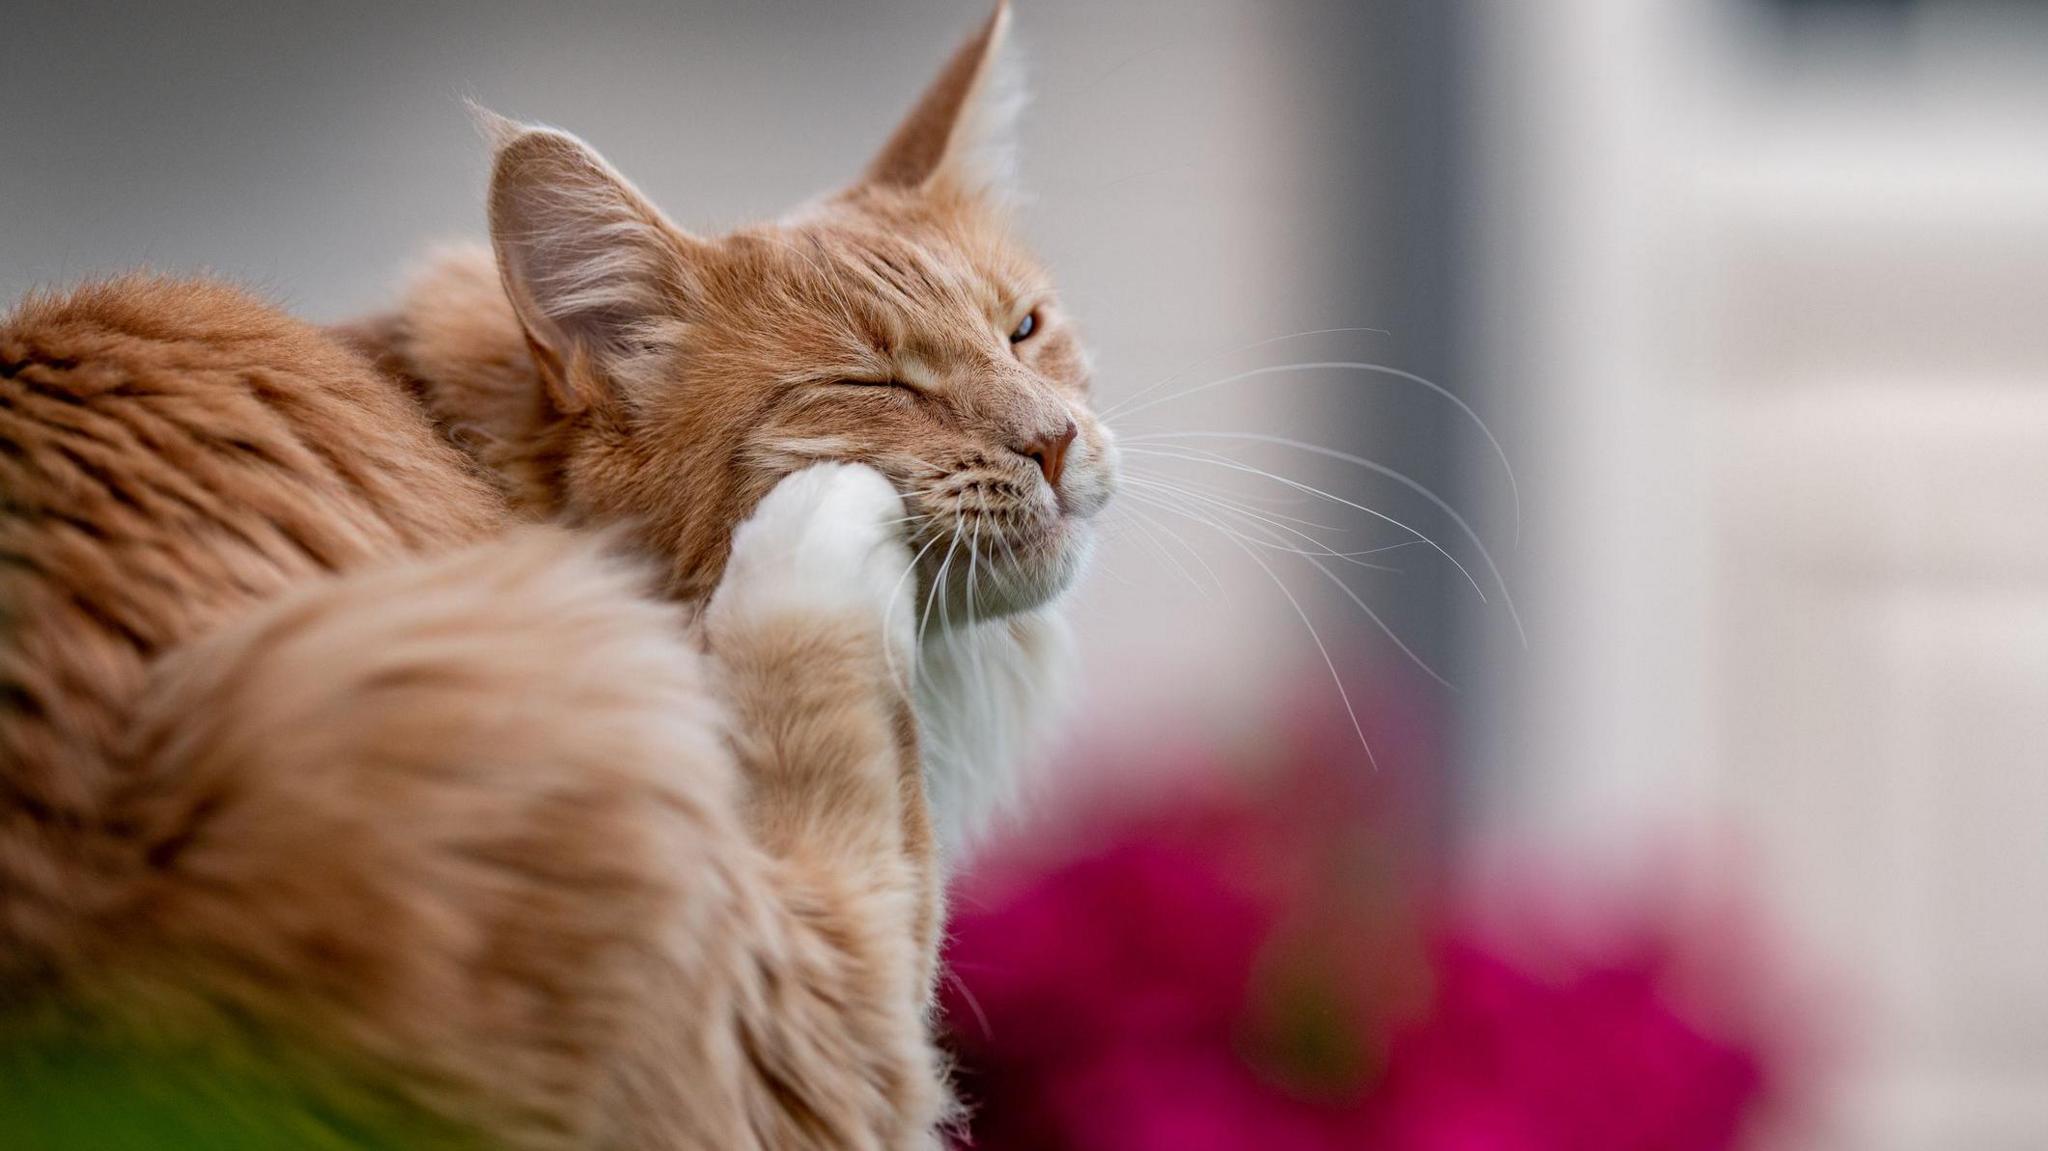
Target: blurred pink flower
[1269,968]
[1599,1059]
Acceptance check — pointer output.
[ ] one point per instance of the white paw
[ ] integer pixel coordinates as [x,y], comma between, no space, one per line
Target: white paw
[827,540]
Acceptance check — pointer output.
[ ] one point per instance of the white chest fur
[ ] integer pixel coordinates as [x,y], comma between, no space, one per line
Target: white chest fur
[987,697]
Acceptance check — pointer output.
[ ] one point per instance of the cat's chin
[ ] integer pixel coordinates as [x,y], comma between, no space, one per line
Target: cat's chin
[1029,586]
[1017,578]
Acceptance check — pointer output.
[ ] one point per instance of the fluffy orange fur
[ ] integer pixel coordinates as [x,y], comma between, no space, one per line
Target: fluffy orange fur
[315,755]
[307,761]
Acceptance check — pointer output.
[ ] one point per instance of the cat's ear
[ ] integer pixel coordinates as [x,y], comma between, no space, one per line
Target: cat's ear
[961,135]
[593,270]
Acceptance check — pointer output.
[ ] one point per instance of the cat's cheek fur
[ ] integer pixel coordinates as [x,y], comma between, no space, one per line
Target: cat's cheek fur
[987,697]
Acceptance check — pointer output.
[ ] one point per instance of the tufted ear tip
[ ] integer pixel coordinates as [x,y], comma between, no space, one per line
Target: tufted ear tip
[961,132]
[497,131]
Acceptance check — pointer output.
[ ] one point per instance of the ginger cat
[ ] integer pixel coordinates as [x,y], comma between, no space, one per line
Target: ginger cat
[607,367]
[321,770]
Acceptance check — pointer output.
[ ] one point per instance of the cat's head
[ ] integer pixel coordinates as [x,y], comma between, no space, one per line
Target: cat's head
[897,323]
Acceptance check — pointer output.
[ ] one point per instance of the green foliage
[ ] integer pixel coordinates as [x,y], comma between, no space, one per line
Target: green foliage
[62,1093]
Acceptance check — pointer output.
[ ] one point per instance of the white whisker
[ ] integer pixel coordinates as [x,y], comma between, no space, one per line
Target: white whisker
[1227,507]
[1264,504]
[887,612]
[1145,525]
[938,583]
[1500,453]
[1197,455]
[1380,469]
[1181,372]
[1386,629]
[1335,678]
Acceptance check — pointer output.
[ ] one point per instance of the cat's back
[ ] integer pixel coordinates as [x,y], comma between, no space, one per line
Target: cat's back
[172,451]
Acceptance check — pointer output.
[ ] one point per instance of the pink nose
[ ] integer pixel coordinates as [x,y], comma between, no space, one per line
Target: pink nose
[1050,452]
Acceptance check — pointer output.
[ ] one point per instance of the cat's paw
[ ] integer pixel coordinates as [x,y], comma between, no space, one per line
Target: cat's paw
[826,541]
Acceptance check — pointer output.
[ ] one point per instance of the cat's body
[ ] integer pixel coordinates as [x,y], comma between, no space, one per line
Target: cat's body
[308,764]
[320,753]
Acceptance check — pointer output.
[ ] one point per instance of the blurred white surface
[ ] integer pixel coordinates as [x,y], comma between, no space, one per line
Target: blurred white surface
[1779,301]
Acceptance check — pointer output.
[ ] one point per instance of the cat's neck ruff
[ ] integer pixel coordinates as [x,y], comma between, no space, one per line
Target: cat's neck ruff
[987,696]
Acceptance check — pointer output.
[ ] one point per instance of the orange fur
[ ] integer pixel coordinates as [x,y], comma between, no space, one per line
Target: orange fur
[313,757]
[465,833]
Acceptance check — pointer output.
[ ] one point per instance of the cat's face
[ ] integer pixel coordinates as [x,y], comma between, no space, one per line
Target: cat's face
[912,334]
[897,324]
